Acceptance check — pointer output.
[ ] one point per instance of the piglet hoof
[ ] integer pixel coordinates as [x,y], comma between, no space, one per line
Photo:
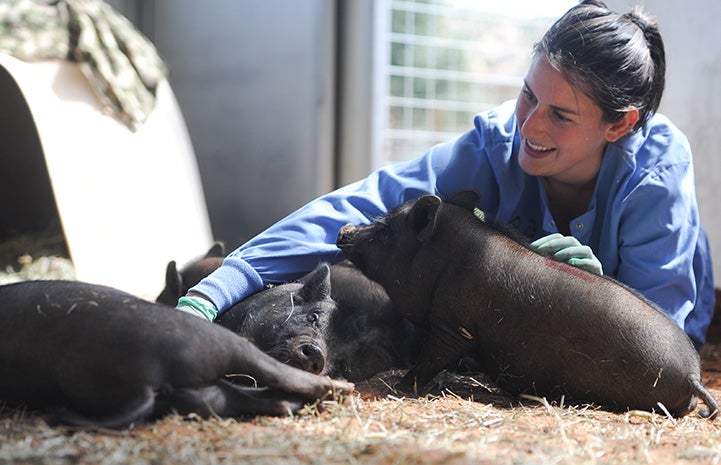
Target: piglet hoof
[412,385]
[708,413]
[334,390]
[341,389]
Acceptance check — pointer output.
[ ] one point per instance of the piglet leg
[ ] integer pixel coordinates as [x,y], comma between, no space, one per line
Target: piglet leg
[441,348]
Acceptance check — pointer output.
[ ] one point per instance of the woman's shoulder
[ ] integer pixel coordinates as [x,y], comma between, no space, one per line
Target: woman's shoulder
[659,145]
[657,159]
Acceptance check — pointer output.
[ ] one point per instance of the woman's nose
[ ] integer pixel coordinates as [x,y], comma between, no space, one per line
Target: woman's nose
[533,122]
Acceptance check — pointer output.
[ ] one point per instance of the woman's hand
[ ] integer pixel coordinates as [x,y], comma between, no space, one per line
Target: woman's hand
[567,249]
[197,306]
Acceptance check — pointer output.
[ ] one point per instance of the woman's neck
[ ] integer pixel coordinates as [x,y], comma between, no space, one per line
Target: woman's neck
[567,201]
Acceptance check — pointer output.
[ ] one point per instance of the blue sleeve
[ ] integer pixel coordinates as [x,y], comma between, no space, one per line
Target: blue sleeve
[299,242]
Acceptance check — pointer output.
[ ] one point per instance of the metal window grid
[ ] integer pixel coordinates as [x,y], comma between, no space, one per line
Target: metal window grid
[444,63]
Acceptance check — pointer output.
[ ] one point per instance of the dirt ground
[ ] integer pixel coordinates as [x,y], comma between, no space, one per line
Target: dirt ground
[464,421]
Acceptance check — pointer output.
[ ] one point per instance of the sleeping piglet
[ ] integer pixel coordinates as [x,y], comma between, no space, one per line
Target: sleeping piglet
[354,337]
[535,325]
[92,355]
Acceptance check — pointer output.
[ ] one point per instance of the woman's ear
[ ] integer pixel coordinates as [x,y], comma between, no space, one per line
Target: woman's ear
[623,126]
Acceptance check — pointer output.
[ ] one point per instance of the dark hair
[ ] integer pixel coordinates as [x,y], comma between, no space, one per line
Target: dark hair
[616,60]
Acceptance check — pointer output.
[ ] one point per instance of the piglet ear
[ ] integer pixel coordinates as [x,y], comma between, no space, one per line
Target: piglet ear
[424,216]
[316,284]
[217,250]
[466,199]
[173,280]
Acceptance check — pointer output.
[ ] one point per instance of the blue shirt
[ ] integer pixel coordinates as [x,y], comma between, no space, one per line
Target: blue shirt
[642,222]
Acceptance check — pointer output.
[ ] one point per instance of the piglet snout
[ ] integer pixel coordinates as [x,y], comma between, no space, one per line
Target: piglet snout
[309,357]
[345,235]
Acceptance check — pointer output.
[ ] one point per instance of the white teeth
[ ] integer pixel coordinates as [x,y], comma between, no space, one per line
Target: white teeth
[539,148]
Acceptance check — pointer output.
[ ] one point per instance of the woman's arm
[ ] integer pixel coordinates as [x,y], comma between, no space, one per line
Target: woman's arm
[299,242]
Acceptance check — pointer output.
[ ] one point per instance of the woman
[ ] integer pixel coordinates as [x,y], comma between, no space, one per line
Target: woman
[580,163]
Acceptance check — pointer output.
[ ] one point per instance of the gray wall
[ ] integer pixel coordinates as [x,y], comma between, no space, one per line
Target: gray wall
[255,82]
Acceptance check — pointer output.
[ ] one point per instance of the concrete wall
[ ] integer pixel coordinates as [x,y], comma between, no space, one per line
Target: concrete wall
[255,80]
[693,94]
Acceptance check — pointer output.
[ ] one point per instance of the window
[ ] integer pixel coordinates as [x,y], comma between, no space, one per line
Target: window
[450,59]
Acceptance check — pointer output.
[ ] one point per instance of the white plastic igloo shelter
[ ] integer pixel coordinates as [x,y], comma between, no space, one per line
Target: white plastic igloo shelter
[128,201]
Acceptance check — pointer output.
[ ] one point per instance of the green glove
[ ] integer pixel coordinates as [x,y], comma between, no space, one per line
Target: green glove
[567,249]
[197,306]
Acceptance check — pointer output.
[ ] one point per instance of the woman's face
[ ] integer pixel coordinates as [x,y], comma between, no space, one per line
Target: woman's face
[563,135]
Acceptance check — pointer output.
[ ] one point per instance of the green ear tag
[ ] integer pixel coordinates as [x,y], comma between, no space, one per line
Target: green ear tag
[477,211]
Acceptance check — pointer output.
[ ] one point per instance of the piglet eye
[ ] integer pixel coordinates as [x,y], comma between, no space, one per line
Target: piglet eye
[312,318]
[385,234]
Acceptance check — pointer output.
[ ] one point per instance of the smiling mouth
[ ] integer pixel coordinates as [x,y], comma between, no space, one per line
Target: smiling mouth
[538,150]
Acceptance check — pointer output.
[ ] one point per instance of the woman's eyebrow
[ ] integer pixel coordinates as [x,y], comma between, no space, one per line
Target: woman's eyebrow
[555,107]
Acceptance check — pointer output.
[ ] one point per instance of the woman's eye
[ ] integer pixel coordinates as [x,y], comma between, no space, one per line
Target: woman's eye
[529,96]
[562,118]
